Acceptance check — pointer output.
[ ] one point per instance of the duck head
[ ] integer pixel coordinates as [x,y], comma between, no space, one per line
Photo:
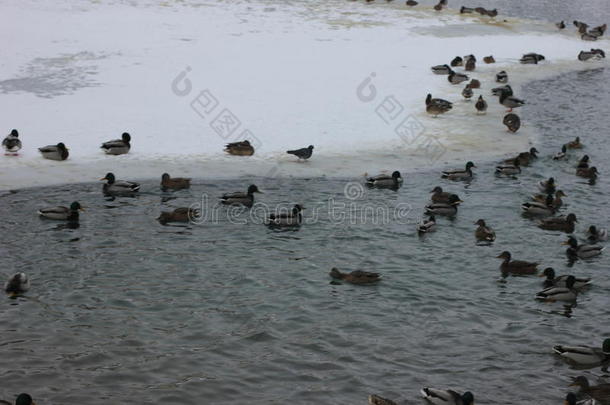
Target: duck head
[504,255]
[480,222]
[15,133]
[580,381]
[24,399]
[61,146]
[467,398]
[570,399]
[571,218]
[75,206]
[429,97]
[165,177]
[572,242]
[534,152]
[253,189]
[437,189]
[126,137]
[549,273]
[109,178]
[570,280]
[593,230]
[396,175]
[470,165]
[454,200]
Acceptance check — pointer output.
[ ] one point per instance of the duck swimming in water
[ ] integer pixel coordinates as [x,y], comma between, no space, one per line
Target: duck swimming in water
[355,277]
[587,172]
[427,225]
[62,213]
[282,219]
[585,355]
[457,174]
[576,251]
[553,294]
[17,284]
[447,397]
[535,208]
[118,187]
[595,235]
[560,281]
[377,400]
[516,266]
[182,214]
[449,208]
[22,399]
[440,196]
[239,198]
[174,183]
[575,144]
[385,181]
[561,155]
[564,224]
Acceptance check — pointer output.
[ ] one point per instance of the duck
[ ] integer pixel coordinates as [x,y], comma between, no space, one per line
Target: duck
[356,276]
[412,3]
[489,59]
[457,61]
[588,37]
[496,91]
[467,92]
[547,186]
[182,214]
[475,84]
[456,78]
[510,170]
[470,65]
[430,100]
[576,251]
[539,209]
[502,77]
[447,397]
[599,392]
[448,209]
[512,122]
[440,196]
[560,281]
[441,69]
[582,27]
[561,25]
[377,400]
[466,10]
[526,158]
[427,225]
[483,232]
[22,399]
[510,102]
[118,146]
[557,201]
[385,181]
[242,148]
[240,198]
[516,266]
[587,172]
[62,213]
[552,294]
[531,58]
[565,224]
[118,187]
[575,144]
[561,155]
[583,163]
[17,284]
[572,400]
[55,152]
[585,355]
[592,54]
[457,174]
[595,235]
[12,143]
[292,218]
[481,105]
[599,30]
[437,109]
[303,153]
[174,183]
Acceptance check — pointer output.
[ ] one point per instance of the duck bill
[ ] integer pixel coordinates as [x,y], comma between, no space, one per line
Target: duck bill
[564,243]
[541,275]
[102,179]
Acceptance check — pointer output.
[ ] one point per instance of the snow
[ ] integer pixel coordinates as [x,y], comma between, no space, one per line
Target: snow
[290,73]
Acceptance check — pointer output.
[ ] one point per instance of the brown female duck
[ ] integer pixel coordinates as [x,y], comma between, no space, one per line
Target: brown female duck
[483,232]
[174,183]
[355,277]
[516,266]
[182,214]
[242,148]
[565,224]
[575,144]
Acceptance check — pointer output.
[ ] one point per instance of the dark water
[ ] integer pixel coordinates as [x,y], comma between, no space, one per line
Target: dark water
[124,310]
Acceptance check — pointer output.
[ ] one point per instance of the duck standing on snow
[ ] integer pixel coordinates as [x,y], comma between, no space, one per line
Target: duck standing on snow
[457,61]
[303,153]
[470,65]
[12,143]
[412,3]
[239,198]
[516,266]
[585,355]
[465,174]
[392,181]
[242,148]
[118,187]
[62,213]
[531,58]
[560,281]
[17,284]
[510,102]
[502,77]
[489,59]
[55,152]
[484,233]
[481,105]
[592,54]
[118,146]
[512,122]
[437,106]
[447,397]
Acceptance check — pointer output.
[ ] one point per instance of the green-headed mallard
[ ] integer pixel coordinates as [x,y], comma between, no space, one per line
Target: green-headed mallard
[292,218]
[508,169]
[592,54]
[182,214]
[496,91]
[483,232]
[440,196]
[62,213]
[377,400]
[449,208]
[12,143]
[552,294]
[571,399]
[583,163]
[303,153]
[456,78]
[595,235]
[575,144]
[561,155]
[118,187]
[481,105]
[512,122]
[457,174]
[539,209]
[599,392]
[22,399]
[447,397]
[427,225]
[560,281]
[17,284]
[174,183]
[510,102]
[385,181]
[55,152]
[441,69]
[239,198]
[117,146]
[242,148]
[516,266]
[585,355]
[356,276]
[557,201]
[587,172]
[564,224]
[581,251]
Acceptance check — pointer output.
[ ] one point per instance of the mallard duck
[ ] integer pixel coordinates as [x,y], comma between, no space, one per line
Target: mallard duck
[547,186]
[470,65]
[509,170]
[539,209]
[483,232]
[242,148]
[561,155]
[377,400]
[437,109]
[575,144]
[489,59]
[22,399]
[496,91]
[531,58]
[55,152]
[447,397]
[512,122]
[502,77]
[466,10]
[510,102]
[412,3]
[474,84]
[239,198]
[303,153]
[587,172]
[595,235]
[292,218]
[557,201]
[182,214]
[583,163]
[585,355]
[467,92]
[118,187]
[565,224]
[581,251]
[456,78]
[355,277]
[588,37]
[561,25]
[448,209]
[572,400]
[516,266]
[441,69]
[440,101]
[560,281]
[427,225]
[118,146]
[62,213]
[592,54]
[457,174]
[457,61]
[385,181]
[552,294]
[481,105]
[12,143]
[599,392]
[17,284]
[440,196]
[174,183]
